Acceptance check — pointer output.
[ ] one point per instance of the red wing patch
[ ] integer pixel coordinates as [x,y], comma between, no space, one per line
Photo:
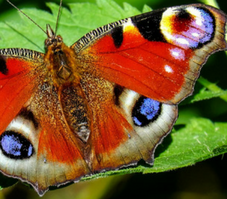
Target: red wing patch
[16,86]
[107,136]
[149,68]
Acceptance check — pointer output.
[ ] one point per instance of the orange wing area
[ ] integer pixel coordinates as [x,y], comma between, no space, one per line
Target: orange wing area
[147,68]
[110,131]
[59,156]
[57,144]
[15,88]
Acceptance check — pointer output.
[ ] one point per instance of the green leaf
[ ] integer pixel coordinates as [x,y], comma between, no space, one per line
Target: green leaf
[214,89]
[198,140]
[204,95]
[210,2]
[146,9]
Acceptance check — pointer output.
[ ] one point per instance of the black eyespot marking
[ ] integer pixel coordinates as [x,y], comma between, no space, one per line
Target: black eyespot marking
[117,92]
[149,26]
[117,35]
[3,67]
[26,114]
[146,110]
[15,146]
[183,15]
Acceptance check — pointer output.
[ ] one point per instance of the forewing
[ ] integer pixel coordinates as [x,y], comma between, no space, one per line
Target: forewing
[157,54]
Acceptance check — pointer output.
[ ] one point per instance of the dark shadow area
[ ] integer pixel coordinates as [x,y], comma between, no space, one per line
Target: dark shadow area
[163,146]
[6,182]
[203,180]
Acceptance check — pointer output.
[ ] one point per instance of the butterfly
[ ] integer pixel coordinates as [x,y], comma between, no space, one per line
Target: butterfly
[106,101]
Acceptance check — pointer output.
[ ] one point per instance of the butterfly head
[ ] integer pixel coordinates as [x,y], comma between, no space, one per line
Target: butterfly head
[59,60]
[53,40]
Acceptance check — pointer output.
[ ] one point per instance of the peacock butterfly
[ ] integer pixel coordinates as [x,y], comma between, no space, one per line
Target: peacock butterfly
[105,102]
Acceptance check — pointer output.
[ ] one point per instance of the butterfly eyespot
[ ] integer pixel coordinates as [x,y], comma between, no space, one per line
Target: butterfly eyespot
[15,146]
[192,27]
[146,110]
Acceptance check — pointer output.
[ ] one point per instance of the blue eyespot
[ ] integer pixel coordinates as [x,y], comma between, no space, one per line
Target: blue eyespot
[15,146]
[146,110]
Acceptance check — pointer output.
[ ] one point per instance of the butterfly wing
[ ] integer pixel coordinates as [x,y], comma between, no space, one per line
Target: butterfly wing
[158,56]
[36,143]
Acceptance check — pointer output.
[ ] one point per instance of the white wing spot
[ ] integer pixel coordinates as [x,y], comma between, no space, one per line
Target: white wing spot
[168,69]
[195,34]
[177,53]
[182,41]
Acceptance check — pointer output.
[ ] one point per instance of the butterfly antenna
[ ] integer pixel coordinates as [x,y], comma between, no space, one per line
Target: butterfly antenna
[59,11]
[26,16]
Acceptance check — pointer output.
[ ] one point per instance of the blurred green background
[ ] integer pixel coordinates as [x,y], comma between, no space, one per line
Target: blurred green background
[205,180]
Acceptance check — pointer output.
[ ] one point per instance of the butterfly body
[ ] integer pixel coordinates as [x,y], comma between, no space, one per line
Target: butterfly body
[105,102]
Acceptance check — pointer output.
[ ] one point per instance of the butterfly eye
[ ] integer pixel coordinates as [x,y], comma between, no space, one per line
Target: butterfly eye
[59,38]
[145,111]
[15,145]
